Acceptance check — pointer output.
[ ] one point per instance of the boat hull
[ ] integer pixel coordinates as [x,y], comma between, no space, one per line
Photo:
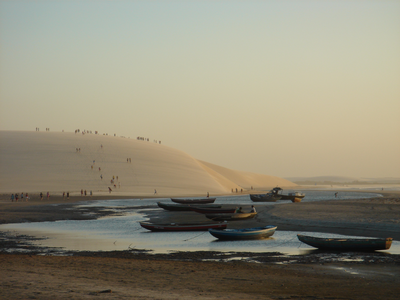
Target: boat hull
[193,201]
[243,234]
[231,217]
[264,198]
[184,207]
[346,244]
[206,210]
[182,226]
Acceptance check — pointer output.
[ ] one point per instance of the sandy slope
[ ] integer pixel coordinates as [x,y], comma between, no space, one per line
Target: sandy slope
[49,161]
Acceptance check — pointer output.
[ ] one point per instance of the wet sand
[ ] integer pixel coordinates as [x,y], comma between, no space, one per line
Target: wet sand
[123,275]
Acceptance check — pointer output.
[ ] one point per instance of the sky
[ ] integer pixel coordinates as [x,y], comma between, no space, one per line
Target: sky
[284,88]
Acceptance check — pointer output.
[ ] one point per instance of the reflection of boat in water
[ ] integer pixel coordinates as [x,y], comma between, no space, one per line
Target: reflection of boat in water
[185,207]
[182,226]
[193,201]
[345,243]
[231,216]
[243,234]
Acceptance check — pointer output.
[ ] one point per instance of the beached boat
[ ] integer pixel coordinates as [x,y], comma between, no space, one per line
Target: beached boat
[193,201]
[293,196]
[231,217]
[212,210]
[182,226]
[243,234]
[185,207]
[368,244]
[269,197]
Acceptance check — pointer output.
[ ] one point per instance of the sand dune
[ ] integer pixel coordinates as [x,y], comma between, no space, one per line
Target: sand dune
[51,161]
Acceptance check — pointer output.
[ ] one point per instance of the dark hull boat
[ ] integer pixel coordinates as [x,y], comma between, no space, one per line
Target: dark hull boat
[182,226]
[184,207]
[243,234]
[346,244]
[193,201]
[231,217]
[265,197]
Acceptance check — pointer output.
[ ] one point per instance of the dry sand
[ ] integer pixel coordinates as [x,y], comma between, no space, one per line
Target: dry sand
[33,277]
[56,162]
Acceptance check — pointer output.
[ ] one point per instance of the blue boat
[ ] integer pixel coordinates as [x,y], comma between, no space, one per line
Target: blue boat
[243,234]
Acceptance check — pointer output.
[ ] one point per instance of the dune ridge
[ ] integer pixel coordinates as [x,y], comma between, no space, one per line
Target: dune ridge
[70,162]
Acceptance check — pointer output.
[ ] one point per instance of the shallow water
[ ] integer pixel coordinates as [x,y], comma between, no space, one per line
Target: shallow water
[124,232]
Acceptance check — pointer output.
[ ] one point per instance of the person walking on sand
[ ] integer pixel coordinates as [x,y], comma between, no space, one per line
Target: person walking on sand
[16,197]
[26,197]
[67,195]
[41,196]
[12,197]
[109,190]
[22,196]
[155,191]
[48,195]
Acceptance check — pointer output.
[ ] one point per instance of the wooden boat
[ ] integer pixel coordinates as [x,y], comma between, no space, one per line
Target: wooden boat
[269,197]
[243,234]
[368,244]
[294,197]
[231,217]
[193,201]
[199,226]
[184,207]
[213,210]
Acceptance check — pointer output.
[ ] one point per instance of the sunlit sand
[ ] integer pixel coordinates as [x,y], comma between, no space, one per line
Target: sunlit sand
[59,162]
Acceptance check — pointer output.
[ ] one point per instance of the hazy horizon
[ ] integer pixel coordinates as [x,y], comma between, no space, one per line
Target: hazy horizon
[284,88]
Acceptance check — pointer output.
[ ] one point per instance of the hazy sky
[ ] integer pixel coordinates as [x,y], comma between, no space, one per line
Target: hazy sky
[285,88]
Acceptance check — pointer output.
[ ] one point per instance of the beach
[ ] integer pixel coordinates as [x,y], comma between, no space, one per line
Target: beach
[75,163]
[139,275]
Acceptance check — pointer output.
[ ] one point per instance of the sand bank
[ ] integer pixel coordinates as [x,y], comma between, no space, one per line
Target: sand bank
[46,277]
[56,162]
